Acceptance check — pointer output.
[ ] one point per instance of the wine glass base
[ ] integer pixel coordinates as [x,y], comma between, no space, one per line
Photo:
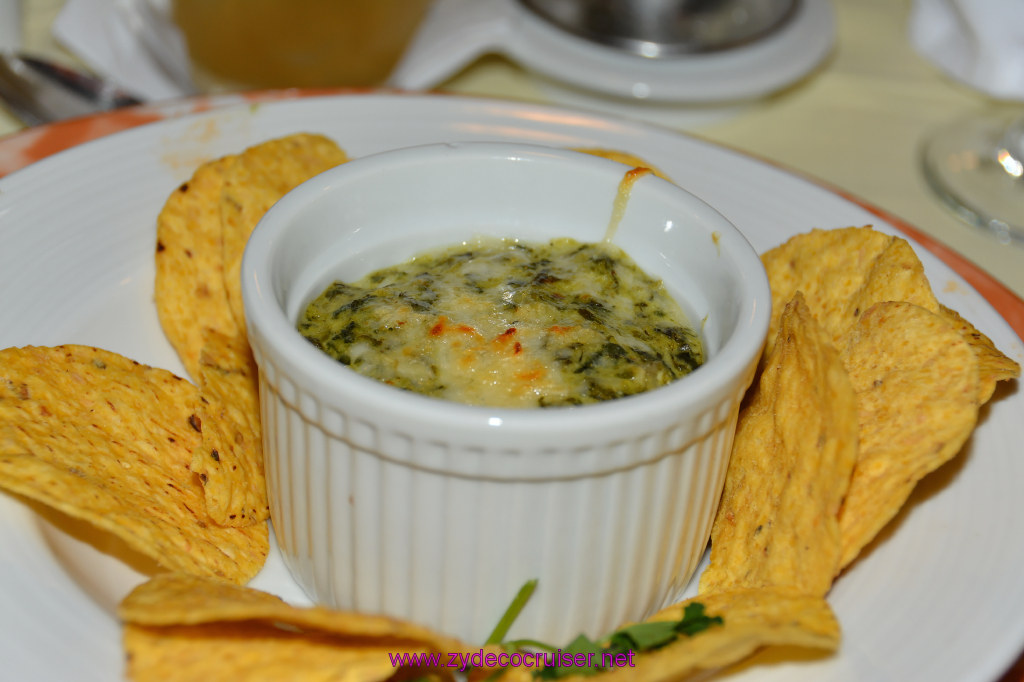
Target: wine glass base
[975,166]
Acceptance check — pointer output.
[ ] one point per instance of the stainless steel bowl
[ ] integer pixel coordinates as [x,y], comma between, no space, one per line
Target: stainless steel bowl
[665,28]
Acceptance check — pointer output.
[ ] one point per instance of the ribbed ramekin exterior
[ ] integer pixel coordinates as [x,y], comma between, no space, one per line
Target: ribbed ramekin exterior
[364,527]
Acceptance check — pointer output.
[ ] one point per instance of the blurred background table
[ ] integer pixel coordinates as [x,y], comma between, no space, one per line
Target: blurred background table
[856,123]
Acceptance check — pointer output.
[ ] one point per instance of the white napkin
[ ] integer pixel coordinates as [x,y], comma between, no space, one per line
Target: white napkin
[979,42]
[10,24]
[132,42]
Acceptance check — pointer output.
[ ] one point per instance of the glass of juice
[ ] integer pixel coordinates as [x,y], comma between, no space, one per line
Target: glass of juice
[253,44]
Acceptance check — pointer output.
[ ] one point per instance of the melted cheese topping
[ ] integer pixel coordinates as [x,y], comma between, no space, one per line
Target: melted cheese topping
[509,324]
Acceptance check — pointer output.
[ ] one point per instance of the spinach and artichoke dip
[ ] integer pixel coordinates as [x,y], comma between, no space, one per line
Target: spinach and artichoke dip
[509,324]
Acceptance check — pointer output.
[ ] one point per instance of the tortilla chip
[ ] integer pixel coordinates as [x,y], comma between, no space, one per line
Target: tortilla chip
[254,182]
[248,651]
[181,599]
[795,447]
[842,273]
[993,365]
[107,440]
[189,284]
[917,385]
[181,627]
[230,460]
[201,235]
[751,619]
[254,652]
[631,160]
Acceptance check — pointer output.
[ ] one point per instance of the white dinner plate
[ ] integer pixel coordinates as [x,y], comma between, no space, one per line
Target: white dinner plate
[938,597]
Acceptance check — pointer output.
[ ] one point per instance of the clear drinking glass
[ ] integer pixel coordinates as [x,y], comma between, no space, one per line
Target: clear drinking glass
[246,44]
[976,165]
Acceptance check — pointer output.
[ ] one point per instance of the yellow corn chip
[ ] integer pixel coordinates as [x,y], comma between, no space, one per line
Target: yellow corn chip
[751,619]
[993,365]
[105,439]
[842,273]
[795,446]
[254,652]
[230,460]
[917,386]
[253,182]
[201,234]
[189,284]
[182,599]
[181,627]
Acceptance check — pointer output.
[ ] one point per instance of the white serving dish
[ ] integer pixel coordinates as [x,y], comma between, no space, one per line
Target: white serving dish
[387,501]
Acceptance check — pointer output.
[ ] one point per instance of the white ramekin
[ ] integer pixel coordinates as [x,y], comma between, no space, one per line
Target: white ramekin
[387,501]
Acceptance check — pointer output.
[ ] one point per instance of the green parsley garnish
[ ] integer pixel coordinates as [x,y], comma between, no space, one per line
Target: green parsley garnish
[622,642]
[512,612]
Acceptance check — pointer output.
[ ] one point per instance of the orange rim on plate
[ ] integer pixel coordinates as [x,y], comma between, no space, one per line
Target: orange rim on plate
[24,147]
